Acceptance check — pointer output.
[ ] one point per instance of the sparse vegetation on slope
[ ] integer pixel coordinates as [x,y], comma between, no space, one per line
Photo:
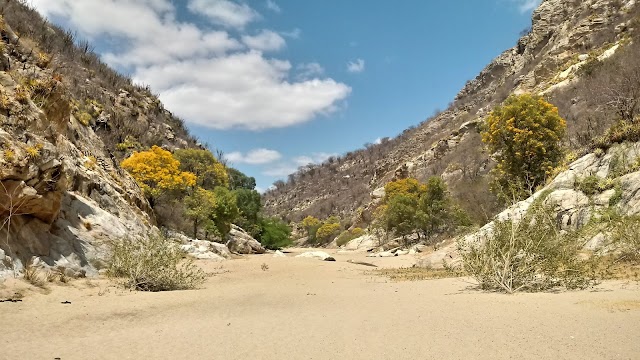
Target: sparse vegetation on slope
[547,60]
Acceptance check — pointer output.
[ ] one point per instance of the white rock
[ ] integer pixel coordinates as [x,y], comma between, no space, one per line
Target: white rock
[241,242]
[314,255]
[378,193]
[365,242]
[583,57]
[209,256]
[279,253]
[596,243]
[402,252]
[386,254]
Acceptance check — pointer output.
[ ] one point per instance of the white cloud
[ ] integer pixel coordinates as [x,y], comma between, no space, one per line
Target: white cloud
[356,66]
[242,90]
[293,34]
[224,12]
[291,166]
[527,5]
[315,158]
[280,170]
[271,5]
[309,71]
[266,40]
[206,76]
[254,157]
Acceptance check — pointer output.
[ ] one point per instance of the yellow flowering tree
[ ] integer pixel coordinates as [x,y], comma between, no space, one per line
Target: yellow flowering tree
[327,232]
[157,172]
[409,187]
[525,135]
[311,225]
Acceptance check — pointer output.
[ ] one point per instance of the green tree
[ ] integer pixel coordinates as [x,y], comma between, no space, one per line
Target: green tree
[274,234]
[208,170]
[249,203]
[238,180]
[225,210]
[401,215]
[525,135]
[199,207]
[437,213]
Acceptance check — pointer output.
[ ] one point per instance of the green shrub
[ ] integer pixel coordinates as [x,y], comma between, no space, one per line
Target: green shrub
[592,185]
[84,118]
[343,238]
[274,234]
[528,255]
[347,236]
[617,195]
[619,132]
[153,264]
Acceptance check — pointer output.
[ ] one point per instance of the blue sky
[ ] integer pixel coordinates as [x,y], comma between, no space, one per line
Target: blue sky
[276,84]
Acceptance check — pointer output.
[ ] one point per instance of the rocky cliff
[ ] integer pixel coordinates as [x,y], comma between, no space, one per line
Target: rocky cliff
[564,37]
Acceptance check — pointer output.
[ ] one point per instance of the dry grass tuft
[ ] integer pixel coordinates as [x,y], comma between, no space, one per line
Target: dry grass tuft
[414,274]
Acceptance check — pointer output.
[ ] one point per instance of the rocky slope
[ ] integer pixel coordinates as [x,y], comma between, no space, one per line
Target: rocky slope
[63,120]
[616,187]
[564,36]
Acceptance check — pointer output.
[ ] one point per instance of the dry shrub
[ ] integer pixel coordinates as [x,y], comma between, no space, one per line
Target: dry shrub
[153,264]
[31,274]
[528,255]
[625,238]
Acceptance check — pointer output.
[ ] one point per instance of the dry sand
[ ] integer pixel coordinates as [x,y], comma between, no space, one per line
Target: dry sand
[310,309]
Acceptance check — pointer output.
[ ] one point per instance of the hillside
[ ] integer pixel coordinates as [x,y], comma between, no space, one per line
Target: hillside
[67,120]
[567,39]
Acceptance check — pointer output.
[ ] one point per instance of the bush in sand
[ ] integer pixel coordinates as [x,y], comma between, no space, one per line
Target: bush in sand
[527,255]
[153,264]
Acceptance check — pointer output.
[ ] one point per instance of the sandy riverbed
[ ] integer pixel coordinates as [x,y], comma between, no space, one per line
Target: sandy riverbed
[310,309]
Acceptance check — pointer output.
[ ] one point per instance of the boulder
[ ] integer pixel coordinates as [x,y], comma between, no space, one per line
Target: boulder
[279,253]
[378,193]
[194,245]
[238,241]
[596,243]
[365,242]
